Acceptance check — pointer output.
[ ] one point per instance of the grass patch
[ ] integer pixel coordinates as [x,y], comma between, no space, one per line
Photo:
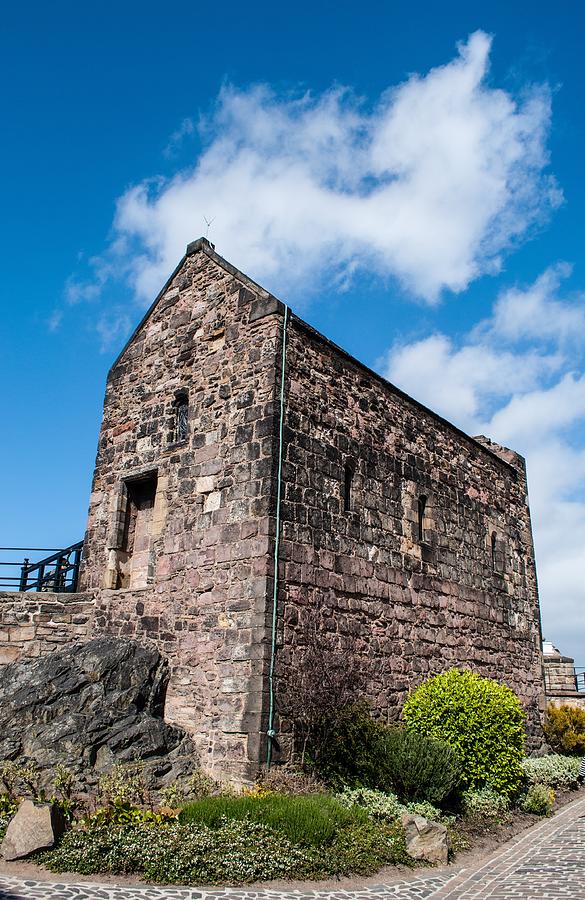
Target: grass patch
[311,821]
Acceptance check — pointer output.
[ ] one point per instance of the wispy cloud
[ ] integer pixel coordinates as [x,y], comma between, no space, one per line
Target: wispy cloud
[185,130]
[430,184]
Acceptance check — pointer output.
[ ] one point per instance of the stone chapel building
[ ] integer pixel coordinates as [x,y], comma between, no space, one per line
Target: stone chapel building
[233,435]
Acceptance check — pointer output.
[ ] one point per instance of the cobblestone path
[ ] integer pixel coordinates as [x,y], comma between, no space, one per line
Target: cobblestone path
[547,863]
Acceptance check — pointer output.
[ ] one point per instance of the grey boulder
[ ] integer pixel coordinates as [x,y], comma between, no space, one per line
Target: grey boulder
[34,827]
[425,840]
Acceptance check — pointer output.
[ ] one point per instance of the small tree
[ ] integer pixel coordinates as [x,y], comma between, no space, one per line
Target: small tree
[315,692]
[482,721]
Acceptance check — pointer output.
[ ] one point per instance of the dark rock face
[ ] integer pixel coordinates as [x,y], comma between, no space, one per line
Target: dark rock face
[89,707]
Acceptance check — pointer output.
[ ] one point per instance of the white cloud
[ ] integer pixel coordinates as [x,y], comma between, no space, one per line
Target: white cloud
[537,314]
[519,377]
[430,184]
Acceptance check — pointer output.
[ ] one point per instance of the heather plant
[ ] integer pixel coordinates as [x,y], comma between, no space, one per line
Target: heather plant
[564,727]
[554,770]
[480,719]
[236,851]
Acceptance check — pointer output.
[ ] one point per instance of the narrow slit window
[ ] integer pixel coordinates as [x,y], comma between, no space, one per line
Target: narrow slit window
[347,484]
[422,505]
[181,428]
[493,547]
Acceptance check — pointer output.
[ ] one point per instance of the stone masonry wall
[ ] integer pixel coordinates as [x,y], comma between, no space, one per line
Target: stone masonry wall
[36,624]
[204,603]
[405,608]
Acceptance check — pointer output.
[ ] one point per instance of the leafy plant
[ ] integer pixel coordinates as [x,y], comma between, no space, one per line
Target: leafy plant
[539,800]
[120,813]
[383,807]
[564,727]
[307,820]
[485,804]
[419,768]
[480,719]
[123,785]
[22,780]
[8,806]
[554,770]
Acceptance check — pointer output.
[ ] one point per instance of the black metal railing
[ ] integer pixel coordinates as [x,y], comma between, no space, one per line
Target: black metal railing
[580,678]
[57,573]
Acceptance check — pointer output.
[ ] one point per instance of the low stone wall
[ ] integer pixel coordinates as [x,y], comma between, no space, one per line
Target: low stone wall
[576,699]
[34,624]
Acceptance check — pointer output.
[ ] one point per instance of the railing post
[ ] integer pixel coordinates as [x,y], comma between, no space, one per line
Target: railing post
[75,576]
[23,575]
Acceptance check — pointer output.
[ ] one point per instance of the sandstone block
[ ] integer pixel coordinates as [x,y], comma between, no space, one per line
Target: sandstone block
[34,827]
[425,840]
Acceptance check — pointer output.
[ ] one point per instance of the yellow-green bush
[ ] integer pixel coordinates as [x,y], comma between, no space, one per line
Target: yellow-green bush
[480,719]
[564,728]
[539,800]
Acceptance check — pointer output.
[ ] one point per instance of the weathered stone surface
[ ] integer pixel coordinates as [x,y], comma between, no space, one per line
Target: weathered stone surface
[88,707]
[425,840]
[36,826]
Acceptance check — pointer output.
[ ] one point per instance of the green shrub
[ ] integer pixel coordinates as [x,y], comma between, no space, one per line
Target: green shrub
[485,804]
[351,749]
[480,719]
[235,852]
[564,727]
[539,800]
[553,770]
[419,768]
[312,820]
[364,752]
[123,785]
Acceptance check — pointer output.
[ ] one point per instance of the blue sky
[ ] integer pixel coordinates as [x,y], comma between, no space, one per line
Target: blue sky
[410,180]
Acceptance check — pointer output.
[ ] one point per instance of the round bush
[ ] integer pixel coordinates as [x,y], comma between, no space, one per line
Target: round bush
[480,719]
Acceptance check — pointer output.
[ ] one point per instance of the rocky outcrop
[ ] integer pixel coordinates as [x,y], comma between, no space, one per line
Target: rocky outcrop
[89,707]
[36,826]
